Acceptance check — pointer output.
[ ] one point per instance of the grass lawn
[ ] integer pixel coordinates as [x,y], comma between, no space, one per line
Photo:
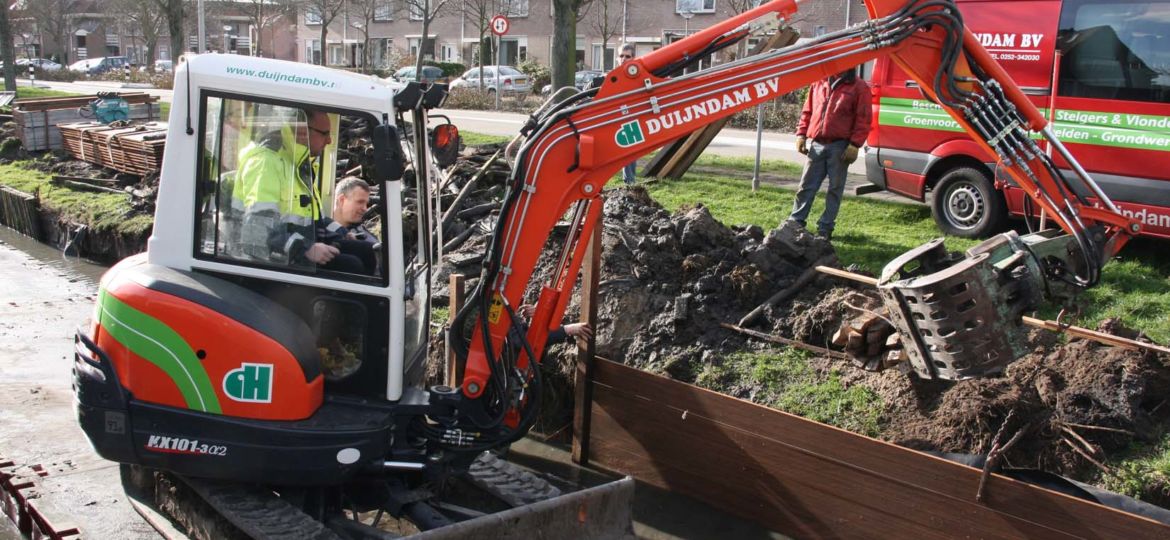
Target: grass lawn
[471,138]
[101,211]
[869,233]
[29,92]
[1135,286]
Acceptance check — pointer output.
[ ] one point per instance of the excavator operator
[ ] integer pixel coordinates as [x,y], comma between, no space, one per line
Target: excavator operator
[275,188]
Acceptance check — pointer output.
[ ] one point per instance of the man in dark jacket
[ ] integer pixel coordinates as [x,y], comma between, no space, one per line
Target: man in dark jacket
[833,125]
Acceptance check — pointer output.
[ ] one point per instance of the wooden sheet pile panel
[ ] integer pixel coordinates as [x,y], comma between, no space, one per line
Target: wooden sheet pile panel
[36,119]
[137,149]
[809,480]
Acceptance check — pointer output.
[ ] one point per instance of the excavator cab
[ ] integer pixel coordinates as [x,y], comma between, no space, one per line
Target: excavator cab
[233,349]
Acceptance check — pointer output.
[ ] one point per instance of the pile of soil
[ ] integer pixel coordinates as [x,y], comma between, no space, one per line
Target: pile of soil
[1076,403]
[669,279]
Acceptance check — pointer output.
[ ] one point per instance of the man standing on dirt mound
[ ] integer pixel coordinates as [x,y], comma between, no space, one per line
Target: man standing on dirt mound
[836,118]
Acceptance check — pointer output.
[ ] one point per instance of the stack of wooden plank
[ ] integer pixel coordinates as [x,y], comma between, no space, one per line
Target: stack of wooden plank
[135,149]
[36,119]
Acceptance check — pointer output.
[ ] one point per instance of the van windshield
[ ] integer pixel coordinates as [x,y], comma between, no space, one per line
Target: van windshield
[1115,50]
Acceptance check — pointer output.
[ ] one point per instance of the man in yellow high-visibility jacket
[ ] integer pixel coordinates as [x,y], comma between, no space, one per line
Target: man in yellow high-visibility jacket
[275,192]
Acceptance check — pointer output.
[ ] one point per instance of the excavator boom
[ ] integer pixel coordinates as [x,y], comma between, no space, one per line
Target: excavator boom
[570,151]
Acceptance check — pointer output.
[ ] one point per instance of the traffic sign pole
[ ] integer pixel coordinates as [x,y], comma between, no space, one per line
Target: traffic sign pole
[500,26]
[498,76]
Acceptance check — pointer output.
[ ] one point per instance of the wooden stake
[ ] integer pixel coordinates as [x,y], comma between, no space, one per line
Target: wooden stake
[798,285]
[583,387]
[786,341]
[458,296]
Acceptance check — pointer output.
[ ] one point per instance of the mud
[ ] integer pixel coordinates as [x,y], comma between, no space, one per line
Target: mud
[668,280]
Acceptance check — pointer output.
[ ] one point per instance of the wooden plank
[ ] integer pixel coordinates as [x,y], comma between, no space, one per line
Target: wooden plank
[458,294]
[36,129]
[658,162]
[136,149]
[809,479]
[18,210]
[583,383]
[749,478]
[65,102]
[675,160]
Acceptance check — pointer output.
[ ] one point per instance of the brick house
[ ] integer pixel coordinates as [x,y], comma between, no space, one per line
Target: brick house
[92,29]
[395,32]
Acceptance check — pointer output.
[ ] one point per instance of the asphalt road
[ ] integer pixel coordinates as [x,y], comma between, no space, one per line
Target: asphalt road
[730,142]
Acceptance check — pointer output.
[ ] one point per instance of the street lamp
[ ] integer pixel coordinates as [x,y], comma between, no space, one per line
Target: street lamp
[686,15]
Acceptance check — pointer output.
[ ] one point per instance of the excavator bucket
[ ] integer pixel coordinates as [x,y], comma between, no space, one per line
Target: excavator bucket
[960,317]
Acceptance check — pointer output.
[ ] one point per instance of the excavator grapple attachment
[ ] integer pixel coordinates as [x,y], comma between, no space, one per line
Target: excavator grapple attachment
[960,316]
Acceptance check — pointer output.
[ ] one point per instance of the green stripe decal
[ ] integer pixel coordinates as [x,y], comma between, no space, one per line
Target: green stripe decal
[160,345]
[1115,130]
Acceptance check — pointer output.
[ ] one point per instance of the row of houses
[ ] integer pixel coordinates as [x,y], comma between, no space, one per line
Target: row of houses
[384,33]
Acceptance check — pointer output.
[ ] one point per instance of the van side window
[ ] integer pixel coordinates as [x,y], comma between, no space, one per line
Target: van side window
[270,196]
[1115,50]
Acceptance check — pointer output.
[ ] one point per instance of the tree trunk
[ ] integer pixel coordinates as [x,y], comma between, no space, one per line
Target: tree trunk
[175,27]
[485,51]
[7,54]
[564,43]
[324,34]
[426,27]
[367,54]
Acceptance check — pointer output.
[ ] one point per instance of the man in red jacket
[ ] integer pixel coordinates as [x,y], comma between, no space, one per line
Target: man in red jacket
[833,125]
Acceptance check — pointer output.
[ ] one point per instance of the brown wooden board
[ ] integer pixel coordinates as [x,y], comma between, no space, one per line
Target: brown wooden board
[37,128]
[675,159]
[136,149]
[18,210]
[807,479]
[65,102]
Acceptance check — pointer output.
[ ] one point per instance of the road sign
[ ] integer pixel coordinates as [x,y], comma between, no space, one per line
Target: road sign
[500,25]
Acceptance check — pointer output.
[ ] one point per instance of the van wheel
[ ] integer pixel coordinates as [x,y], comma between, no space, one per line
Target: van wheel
[966,204]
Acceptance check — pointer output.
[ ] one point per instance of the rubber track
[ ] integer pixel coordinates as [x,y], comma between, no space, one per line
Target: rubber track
[511,483]
[259,513]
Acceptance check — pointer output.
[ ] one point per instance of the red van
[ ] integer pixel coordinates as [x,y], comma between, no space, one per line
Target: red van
[1100,71]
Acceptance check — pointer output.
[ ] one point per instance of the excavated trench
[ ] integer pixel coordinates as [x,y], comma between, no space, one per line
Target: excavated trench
[669,279]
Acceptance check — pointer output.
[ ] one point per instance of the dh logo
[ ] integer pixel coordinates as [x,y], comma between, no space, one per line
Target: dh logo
[250,383]
[629,134]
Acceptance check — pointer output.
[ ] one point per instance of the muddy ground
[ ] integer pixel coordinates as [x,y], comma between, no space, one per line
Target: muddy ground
[669,279]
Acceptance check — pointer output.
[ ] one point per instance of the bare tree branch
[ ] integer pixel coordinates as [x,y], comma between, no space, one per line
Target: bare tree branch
[426,11]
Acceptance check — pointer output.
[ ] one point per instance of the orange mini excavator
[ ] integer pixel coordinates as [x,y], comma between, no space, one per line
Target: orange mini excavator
[236,349]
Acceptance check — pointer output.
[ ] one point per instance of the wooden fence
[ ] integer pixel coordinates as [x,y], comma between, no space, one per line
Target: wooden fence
[20,211]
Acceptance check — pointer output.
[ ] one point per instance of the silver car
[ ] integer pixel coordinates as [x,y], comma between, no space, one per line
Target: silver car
[506,79]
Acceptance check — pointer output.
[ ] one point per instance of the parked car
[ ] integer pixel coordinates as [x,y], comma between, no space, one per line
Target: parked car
[99,65]
[582,80]
[506,79]
[40,64]
[163,66]
[429,74]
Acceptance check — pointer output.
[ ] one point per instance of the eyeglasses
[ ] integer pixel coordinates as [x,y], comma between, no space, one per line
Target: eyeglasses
[321,132]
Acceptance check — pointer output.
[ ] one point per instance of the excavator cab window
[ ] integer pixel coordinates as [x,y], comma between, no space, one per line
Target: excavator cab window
[269,190]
